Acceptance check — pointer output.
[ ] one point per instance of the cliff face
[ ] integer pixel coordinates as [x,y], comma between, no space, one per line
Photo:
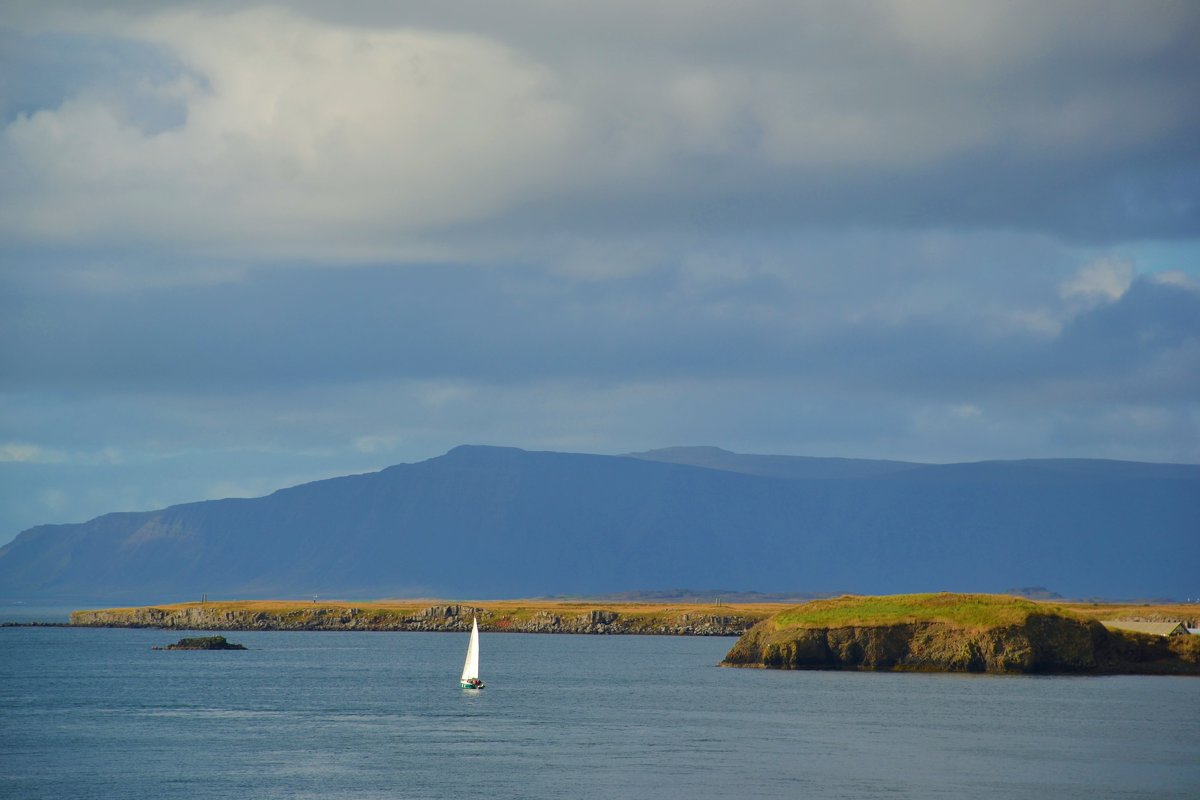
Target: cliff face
[454,617]
[1041,644]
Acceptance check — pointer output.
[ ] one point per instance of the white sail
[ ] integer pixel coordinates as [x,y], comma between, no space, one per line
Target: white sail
[471,667]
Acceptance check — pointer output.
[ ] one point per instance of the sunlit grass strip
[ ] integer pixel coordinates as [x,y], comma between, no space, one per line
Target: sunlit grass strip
[965,610]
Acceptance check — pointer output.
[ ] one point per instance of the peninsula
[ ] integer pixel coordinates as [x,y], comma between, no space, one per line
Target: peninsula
[513,616]
[962,633]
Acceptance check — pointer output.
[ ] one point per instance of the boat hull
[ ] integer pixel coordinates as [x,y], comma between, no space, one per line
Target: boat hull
[466,685]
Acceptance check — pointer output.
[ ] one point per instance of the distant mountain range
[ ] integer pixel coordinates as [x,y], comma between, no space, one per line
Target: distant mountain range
[487,522]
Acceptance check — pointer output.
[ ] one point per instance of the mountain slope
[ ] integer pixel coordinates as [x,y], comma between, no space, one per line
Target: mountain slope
[490,522]
[775,466]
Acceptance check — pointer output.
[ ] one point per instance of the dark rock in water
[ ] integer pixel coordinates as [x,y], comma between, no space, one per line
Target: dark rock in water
[203,643]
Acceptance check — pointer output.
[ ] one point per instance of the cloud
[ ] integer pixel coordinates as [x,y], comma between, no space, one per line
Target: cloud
[16,451]
[1103,280]
[896,317]
[293,133]
[966,411]
[274,132]
[1150,338]
[1177,278]
[25,453]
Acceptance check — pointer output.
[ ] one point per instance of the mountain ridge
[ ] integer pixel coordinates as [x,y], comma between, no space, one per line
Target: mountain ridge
[484,521]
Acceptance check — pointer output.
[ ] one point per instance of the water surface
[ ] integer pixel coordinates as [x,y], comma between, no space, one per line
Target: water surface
[94,713]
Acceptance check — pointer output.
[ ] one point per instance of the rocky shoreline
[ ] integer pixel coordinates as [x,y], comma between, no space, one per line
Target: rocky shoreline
[449,618]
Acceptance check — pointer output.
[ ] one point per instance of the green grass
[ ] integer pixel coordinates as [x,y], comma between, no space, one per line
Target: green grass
[965,610]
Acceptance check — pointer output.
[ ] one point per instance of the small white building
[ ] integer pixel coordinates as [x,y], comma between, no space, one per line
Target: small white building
[1153,628]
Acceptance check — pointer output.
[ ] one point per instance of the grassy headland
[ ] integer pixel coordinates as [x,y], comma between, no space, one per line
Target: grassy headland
[962,633]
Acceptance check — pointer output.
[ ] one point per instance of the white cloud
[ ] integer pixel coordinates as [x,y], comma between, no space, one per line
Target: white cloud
[1175,277]
[25,453]
[966,411]
[19,452]
[1105,279]
[297,133]
[313,138]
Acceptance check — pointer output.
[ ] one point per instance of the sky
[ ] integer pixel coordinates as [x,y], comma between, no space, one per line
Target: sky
[246,246]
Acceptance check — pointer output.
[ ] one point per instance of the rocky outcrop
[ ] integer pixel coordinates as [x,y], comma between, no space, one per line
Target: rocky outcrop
[1043,643]
[451,617]
[202,643]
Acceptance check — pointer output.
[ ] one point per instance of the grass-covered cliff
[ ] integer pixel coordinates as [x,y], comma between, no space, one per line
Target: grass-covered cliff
[955,633]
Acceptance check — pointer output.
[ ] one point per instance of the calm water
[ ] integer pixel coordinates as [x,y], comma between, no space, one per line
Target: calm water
[97,714]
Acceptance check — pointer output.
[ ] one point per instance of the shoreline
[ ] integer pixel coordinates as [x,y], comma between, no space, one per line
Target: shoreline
[505,616]
[619,618]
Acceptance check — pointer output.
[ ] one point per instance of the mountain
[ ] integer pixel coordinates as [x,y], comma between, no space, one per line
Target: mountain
[483,522]
[775,466]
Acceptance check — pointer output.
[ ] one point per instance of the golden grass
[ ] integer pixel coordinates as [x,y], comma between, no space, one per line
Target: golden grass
[967,610]
[963,610]
[1150,611]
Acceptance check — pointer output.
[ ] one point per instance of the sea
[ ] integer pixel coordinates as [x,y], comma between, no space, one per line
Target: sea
[96,713]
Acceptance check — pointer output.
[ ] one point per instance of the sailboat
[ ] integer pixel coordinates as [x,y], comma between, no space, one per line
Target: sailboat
[470,676]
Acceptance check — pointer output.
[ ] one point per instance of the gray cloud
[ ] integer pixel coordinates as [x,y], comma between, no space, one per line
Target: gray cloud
[1062,118]
[945,334]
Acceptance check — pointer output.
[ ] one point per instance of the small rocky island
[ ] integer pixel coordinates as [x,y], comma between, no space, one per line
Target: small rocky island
[203,643]
[955,633]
